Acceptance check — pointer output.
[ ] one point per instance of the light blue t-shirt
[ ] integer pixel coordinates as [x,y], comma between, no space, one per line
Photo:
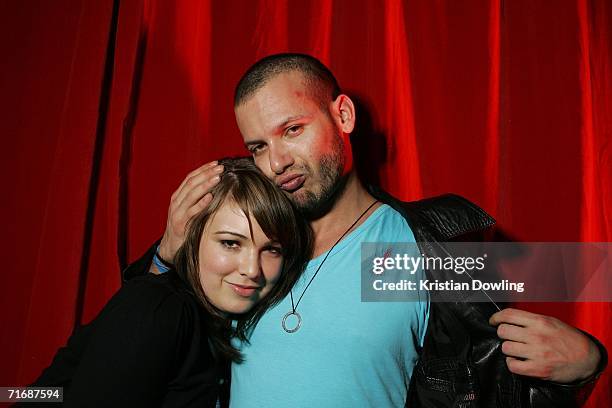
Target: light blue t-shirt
[347,353]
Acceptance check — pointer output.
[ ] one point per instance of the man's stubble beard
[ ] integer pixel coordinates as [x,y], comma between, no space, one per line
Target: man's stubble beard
[315,205]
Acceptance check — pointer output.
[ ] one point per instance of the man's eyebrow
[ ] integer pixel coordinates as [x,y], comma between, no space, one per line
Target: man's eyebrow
[281,125]
[290,119]
[230,233]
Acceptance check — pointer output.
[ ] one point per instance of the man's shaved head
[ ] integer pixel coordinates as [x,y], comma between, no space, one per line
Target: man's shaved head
[319,80]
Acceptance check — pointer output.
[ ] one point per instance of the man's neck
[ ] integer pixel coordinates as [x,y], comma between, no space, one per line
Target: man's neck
[348,205]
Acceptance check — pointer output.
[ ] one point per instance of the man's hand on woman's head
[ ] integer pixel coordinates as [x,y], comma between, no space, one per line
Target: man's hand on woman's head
[191,197]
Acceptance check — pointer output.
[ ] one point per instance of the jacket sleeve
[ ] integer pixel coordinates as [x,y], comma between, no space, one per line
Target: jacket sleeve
[551,394]
[133,350]
[141,266]
[62,368]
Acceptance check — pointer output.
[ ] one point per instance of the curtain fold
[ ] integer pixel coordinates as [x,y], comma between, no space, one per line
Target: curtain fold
[506,103]
[595,29]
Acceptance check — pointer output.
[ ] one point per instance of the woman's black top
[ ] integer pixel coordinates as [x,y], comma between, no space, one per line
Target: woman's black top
[148,347]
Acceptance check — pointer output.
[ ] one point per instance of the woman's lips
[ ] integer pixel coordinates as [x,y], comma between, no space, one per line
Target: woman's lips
[293,184]
[242,290]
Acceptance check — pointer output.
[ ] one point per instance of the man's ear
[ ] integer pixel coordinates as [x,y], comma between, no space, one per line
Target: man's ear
[344,111]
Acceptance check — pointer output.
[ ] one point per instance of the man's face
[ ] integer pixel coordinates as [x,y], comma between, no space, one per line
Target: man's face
[295,142]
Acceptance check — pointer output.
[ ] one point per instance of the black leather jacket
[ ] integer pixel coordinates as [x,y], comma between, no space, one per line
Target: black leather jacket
[461,364]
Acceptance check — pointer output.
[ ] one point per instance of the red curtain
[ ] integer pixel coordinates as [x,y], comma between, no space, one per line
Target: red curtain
[107,106]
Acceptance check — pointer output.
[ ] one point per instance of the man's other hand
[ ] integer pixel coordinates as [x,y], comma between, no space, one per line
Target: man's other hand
[544,347]
[191,197]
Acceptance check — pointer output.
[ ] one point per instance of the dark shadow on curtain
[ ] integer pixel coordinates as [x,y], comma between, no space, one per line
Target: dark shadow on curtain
[126,148]
[369,144]
[94,184]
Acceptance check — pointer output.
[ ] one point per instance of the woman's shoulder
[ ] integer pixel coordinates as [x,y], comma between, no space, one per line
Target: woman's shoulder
[162,285]
[159,296]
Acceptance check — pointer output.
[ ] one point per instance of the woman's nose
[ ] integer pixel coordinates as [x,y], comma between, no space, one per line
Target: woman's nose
[251,265]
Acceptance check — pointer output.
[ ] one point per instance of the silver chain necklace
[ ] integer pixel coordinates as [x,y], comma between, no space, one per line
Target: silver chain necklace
[293,311]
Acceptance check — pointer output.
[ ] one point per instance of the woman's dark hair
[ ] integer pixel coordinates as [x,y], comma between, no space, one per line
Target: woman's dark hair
[243,183]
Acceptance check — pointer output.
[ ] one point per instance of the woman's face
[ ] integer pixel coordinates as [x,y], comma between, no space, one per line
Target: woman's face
[237,270]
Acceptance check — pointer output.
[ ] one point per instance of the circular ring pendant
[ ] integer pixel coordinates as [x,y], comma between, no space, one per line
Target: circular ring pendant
[297,326]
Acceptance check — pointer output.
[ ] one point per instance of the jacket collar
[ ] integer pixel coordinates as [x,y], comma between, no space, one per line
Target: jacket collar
[441,218]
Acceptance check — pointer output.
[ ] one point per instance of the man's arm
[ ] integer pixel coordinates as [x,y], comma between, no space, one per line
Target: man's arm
[192,196]
[451,213]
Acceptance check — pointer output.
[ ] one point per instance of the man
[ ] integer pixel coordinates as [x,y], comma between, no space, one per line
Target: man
[322,346]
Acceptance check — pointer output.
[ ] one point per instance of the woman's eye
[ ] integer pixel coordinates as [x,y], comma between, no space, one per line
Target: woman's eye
[275,250]
[229,244]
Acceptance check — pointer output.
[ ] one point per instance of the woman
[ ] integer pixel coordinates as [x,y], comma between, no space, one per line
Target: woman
[165,340]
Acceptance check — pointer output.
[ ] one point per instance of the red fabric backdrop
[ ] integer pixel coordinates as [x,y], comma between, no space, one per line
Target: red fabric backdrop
[107,106]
